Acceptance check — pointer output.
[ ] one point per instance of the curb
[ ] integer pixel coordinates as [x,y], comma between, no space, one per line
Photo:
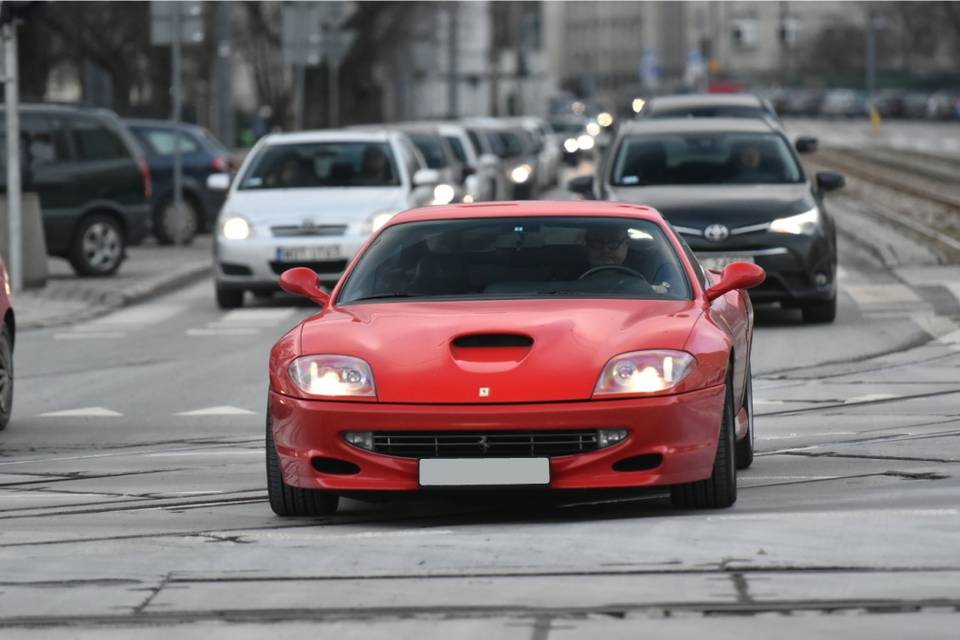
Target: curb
[108,302]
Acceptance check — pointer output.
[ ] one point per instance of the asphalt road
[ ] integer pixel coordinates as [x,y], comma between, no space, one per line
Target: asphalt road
[132,496]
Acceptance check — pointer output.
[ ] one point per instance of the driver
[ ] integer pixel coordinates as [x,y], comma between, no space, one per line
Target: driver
[606,246]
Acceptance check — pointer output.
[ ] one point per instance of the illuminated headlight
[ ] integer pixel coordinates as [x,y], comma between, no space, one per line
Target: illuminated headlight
[380,219]
[332,376]
[521,173]
[585,142]
[644,372]
[570,145]
[605,119]
[593,129]
[609,437]
[803,223]
[443,194]
[362,439]
[235,228]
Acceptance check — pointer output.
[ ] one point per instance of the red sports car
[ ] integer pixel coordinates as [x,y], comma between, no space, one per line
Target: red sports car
[561,345]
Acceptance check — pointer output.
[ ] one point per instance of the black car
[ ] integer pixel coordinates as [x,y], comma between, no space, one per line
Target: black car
[92,180]
[736,191]
[202,154]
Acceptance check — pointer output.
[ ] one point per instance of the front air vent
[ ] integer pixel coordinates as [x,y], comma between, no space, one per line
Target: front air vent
[480,340]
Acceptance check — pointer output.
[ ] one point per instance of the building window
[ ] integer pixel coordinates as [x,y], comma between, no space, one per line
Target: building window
[789,31]
[744,33]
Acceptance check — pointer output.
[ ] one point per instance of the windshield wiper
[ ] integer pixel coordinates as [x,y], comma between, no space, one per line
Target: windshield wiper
[379,296]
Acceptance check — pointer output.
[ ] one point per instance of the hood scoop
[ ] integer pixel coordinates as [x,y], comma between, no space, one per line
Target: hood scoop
[487,340]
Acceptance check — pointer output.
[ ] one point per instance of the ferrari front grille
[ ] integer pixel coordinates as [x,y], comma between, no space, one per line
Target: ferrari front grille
[484,444]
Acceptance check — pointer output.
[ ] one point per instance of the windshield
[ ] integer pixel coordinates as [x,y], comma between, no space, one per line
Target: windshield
[430,147]
[725,111]
[322,164]
[705,158]
[457,147]
[511,144]
[535,257]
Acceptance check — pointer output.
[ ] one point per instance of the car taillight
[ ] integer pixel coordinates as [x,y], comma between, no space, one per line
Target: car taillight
[147,179]
[219,164]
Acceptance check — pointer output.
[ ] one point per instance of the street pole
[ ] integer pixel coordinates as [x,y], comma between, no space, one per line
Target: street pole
[453,84]
[334,76]
[224,74]
[299,87]
[178,235]
[14,201]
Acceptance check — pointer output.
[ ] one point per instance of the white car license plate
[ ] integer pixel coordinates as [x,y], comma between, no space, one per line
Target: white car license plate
[718,263]
[309,254]
[480,472]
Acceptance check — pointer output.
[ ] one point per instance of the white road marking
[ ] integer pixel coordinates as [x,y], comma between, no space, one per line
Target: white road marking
[222,332]
[856,514]
[256,316]
[136,316]
[809,435]
[85,412]
[870,397]
[245,452]
[89,335]
[223,410]
[882,294]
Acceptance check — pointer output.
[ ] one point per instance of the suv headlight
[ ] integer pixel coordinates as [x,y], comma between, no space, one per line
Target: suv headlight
[803,223]
[234,227]
[332,376]
[641,372]
[521,173]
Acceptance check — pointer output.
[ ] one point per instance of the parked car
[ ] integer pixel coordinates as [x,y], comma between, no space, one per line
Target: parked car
[311,199]
[736,191]
[8,333]
[92,180]
[844,103]
[202,155]
[944,105]
[548,345]
[803,102]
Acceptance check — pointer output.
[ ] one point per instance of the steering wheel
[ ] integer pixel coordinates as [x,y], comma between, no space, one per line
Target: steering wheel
[611,267]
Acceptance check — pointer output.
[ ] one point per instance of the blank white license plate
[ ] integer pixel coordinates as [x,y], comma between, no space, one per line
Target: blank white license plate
[309,254]
[718,263]
[480,472]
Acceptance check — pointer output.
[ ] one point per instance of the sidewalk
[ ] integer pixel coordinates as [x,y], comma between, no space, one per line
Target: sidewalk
[149,270]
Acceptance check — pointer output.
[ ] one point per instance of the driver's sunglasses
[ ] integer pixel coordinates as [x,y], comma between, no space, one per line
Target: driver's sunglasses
[611,245]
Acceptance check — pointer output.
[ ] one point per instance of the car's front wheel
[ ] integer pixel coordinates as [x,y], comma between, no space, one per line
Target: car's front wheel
[293,501]
[6,377]
[745,447]
[720,489]
[229,298]
[98,246]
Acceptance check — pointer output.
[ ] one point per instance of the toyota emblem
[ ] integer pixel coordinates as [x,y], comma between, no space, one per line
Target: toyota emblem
[716,233]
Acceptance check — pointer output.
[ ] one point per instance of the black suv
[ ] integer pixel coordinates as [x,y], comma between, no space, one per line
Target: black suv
[92,180]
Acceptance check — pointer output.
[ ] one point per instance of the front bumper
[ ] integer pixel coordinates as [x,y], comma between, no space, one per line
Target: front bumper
[253,264]
[793,264]
[683,429]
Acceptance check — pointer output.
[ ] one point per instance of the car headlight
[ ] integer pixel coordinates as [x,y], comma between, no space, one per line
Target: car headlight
[570,145]
[586,142]
[235,228]
[377,220]
[803,223]
[644,372]
[443,194]
[332,376]
[521,173]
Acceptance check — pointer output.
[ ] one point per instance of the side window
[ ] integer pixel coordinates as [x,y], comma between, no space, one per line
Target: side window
[697,268]
[162,141]
[408,157]
[45,140]
[94,141]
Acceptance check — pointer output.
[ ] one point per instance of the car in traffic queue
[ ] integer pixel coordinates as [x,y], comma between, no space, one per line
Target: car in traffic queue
[546,345]
[519,159]
[736,191]
[438,155]
[709,105]
[487,144]
[547,145]
[92,181]
[8,333]
[311,199]
[202,155]
[573,138]
[480,170]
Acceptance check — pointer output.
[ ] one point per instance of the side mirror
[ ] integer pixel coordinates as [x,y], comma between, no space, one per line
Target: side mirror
[426,177]
[806,144]
[737,275]
[830,180]
[218,181]
[468,170]
[582,185]
[303,281]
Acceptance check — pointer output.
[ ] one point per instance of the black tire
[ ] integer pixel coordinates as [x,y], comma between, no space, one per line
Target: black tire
[287,501]
[98,246]
[720,489]
[165,226]
[819,312]
[745,447]
[6,377]
[229,298]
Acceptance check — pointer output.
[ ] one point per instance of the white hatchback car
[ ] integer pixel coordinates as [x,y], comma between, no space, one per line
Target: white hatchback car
[311,199]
